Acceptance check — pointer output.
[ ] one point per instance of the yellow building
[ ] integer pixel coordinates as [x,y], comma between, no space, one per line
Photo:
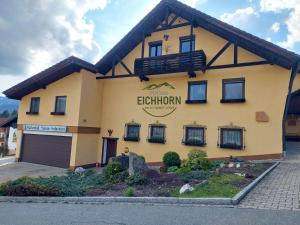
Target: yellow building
[179,79]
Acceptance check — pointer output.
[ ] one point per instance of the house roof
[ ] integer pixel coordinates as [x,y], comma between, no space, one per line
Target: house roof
[7,122]
[258,46]
[48,76]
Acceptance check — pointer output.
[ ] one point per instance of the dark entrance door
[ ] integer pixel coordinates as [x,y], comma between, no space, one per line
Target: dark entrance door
[109,149]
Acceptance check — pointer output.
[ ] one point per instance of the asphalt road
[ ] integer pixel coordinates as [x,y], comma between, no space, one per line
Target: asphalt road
[139,214]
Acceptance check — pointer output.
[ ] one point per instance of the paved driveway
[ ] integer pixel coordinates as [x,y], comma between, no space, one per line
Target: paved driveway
[13,171]
[281,188]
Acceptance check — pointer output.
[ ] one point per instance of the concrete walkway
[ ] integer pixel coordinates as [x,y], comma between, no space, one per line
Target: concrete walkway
[13,171]
[281,188]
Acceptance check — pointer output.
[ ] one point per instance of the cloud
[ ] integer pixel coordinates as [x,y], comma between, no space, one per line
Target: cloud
[293,26]
[292,22]
[36,34]
[277,5]
[275,27]
[240,16]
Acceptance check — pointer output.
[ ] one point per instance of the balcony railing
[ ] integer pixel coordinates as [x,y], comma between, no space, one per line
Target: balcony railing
[173,63]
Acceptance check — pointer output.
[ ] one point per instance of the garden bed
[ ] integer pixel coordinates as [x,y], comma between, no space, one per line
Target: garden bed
[217,182]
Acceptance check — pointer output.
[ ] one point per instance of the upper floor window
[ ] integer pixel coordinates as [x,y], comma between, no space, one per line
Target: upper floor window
[232,138]
[34,105]
[60,105]
[186,43]
[155,49]
[157,133]
[233,90]
[132,132]
[194,135]
[197,92]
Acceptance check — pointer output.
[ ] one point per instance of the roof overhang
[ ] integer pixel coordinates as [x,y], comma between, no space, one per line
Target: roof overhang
[48,76]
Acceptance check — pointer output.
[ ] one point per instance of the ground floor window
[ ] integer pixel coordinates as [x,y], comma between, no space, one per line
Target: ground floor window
[194,136]
[132,132]
[231,138]
[157,133]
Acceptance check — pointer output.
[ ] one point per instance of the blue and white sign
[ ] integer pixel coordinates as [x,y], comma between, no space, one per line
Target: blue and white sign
[43,128]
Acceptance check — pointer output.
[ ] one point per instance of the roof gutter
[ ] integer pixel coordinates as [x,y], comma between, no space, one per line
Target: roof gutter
[294,73]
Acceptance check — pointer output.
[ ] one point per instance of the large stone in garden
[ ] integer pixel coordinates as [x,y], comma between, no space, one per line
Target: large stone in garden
[186,188]
[122,159]
[136,164]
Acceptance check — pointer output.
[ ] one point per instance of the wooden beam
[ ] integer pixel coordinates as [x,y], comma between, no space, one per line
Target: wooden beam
[264,62]
[125,67]
[218,54]
[143,46]
[115,77]
[173,20]
[235,56]
[172,27]
[113,66]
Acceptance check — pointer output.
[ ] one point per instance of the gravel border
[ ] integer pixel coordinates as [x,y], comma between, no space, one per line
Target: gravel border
[154,200]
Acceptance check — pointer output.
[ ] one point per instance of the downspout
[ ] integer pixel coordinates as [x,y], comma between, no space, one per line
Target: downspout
[295,70]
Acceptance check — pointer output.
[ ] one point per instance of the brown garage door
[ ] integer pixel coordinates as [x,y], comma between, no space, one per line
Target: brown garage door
[46,150]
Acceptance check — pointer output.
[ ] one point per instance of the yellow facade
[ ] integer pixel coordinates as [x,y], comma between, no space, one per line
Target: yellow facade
[111,103]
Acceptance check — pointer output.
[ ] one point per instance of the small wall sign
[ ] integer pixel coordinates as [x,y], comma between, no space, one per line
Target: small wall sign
[43,128]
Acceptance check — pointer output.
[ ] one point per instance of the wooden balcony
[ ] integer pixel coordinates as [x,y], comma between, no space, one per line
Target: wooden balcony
[173,63]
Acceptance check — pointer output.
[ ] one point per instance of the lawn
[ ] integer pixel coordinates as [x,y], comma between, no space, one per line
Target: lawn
[217,186]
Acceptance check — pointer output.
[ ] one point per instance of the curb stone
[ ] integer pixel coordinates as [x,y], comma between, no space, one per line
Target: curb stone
[152,200]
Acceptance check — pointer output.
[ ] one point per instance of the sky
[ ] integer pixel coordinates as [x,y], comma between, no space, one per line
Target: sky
[36,34]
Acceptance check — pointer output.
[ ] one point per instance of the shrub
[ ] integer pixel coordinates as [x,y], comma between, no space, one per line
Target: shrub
[137,179]
[195,176]
[217,163]
[119,177]
[199,164]
[171,159]
[112,169]
[172,169]
[183,170]
[129,192]
[196,153]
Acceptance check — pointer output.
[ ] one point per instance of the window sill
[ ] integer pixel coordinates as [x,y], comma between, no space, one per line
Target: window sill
[193,144]
[132,139]
[58,113]
[242,100]
[32,113]
[195,101]
[231,147]
[158,141]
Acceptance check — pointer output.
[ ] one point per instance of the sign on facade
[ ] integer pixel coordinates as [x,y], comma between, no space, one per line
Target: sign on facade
[42,128]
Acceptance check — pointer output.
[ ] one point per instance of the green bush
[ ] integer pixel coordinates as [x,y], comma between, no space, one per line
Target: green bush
[171,159]
[183,170]
[136,179]
[195,176]
[172,169]
[129,192]
[196,153]
[112,169]
[199,164]
[118,177]
[217,163]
